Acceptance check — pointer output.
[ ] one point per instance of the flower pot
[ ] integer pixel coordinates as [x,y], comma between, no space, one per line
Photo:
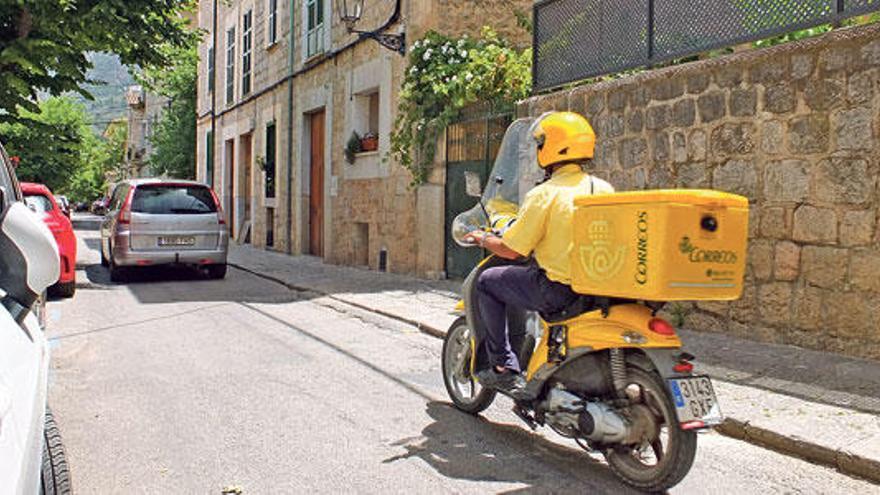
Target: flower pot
[369,143]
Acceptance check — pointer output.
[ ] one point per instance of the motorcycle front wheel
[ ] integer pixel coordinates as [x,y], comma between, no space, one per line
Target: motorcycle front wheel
[463,389]
[663,461]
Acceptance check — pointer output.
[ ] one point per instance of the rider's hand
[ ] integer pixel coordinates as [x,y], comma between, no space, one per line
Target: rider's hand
[474,237]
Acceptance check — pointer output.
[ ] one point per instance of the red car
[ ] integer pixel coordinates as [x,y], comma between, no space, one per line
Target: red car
[40,199]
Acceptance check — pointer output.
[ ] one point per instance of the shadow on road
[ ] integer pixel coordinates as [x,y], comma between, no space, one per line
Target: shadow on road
[462,446]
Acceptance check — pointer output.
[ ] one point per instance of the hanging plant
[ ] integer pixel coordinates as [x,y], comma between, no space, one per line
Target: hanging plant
[445,75]
[352,147]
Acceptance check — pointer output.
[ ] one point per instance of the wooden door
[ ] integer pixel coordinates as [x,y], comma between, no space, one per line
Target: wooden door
[316,185]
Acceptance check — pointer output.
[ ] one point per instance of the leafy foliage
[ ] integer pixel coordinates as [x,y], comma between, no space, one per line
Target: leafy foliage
[445,75]
[58,148]
[43,43]
[174,137]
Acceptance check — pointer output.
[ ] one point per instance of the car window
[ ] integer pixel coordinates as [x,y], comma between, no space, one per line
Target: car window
[119,192]
[165,199]
[39,203]
[7,181]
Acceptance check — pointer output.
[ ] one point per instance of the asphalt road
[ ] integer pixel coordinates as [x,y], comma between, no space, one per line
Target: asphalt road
[170,383]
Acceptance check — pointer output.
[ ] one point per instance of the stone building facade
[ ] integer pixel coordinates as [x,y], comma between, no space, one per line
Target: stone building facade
[795,129]
[272,128]
[144,111]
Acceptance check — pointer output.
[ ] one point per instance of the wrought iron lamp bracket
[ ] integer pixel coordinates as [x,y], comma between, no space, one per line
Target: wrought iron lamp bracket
[393,42]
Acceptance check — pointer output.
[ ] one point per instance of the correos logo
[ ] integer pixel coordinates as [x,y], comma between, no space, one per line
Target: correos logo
[697,255]
[600,260]
[642,248]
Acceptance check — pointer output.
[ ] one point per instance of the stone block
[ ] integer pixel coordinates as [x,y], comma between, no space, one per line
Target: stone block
[743,101]
[853,129]
[772,137]
[774,303]
[808,307]
[660,177]
[729,76]
[864,270]
[639,178]
[801,65]
[786,180]
[595,104]
[849,314]
[736,176]
[703,322]
[843,180]
[775,223]
[753,223]
[633,152]
[606,154]
[660,147]
[733,139]
[657,117]
[679,148]
[697,145]
[824,266]
[816,225]
[779,98]
[808,134]
[617,100]
[743,309]
[692,176]
[698,82]
[683,113]
[787,261]
[870,53]
[837,58]
[761,259]
[860,88]
[712,106]
[857,227]
[823,94]
[769,71]
[716,307]
[611,126]
[635,121]
[639,96]
[667,89]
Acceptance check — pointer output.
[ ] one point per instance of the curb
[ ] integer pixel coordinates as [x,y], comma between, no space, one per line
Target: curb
[845,462]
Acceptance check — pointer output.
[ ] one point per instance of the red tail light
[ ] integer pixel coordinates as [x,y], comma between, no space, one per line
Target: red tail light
[683,367]
[124,217]
[661,326]
[220,218]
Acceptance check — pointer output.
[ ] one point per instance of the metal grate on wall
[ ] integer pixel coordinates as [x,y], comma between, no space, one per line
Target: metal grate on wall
[579,39]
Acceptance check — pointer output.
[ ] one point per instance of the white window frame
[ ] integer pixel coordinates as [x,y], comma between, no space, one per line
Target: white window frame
[247,50]
[230,65]
[315,37]
[271,23]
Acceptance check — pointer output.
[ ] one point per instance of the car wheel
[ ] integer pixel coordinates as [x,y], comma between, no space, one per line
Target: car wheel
[217,271]
[65,289]
[55,479]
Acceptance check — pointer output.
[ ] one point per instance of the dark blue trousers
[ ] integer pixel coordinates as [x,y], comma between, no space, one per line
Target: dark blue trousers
[521,286]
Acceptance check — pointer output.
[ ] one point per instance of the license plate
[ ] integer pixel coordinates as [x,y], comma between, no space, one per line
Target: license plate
[695,402]
[177,241]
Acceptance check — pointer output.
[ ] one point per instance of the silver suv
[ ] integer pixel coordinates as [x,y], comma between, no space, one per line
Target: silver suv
[153,222]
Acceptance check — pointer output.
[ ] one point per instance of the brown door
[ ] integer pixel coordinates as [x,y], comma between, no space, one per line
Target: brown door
[316,185]
[230,186]
[246,159]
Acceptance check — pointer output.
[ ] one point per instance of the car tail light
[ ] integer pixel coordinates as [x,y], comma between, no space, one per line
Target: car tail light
[220,218]
[124,217]
[661,326]
[683,367]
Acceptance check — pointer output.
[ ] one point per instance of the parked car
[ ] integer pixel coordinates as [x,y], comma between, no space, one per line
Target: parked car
[99,206]
[40,199]
[160,222]
[31,454]
[64,204]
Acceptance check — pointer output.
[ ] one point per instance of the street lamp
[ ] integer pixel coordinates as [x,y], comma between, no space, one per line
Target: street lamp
[350,12]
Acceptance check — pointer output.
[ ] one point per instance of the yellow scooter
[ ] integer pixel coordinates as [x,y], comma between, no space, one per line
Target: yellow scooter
[607,372]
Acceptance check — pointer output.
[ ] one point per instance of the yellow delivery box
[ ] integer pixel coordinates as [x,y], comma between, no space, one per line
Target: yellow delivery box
[664,245]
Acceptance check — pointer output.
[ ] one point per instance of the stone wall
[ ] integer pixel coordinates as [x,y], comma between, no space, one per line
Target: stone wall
[795,129]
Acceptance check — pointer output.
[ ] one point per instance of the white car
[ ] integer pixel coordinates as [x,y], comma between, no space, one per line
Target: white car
[31,456]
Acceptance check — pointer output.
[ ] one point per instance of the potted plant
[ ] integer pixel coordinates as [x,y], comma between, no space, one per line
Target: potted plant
[370,142]
[352,147]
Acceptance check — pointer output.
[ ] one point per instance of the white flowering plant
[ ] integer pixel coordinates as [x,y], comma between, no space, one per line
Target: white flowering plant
[445,75]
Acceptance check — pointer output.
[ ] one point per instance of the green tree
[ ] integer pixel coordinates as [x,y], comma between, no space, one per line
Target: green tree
[174,137]
[43,43]
[50,145]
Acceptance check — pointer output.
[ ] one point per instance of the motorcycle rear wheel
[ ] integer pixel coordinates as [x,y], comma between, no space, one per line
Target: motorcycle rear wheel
[672,458]
[466,394]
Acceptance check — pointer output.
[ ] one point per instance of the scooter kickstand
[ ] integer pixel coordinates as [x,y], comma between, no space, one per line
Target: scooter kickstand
[525,416]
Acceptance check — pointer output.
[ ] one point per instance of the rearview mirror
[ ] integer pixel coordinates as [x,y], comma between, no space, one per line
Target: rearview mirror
[29,261]
[472,184]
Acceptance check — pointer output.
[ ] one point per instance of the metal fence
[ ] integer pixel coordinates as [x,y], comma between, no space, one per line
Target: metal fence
[579,39]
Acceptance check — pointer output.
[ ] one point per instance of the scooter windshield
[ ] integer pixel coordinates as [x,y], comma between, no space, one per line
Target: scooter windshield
[514,173]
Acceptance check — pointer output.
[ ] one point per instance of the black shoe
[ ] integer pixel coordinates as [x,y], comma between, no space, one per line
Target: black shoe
[509,383]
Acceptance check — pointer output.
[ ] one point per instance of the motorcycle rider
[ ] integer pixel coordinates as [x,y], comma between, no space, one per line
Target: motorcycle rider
[565,142]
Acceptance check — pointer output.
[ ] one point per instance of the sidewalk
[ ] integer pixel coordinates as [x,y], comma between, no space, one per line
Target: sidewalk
[818,406]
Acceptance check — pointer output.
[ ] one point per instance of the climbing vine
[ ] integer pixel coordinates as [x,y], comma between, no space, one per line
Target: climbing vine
[445,75]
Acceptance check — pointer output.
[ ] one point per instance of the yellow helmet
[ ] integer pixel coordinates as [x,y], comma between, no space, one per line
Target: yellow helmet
[563,137]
